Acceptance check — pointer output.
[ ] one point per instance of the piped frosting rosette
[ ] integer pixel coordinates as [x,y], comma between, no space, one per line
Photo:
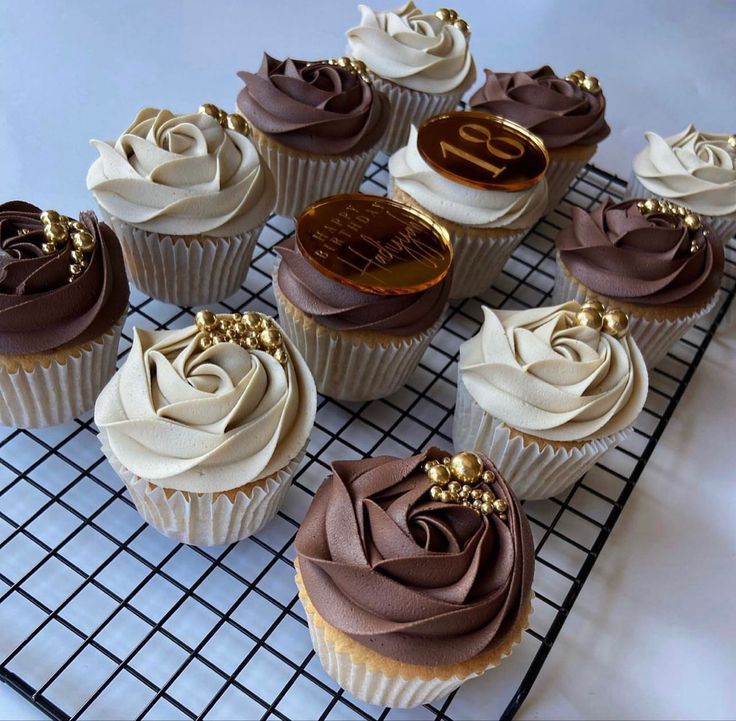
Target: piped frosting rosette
[63,300]
[421,61]
[693,168]
[485,225]
[546,395]
[183,192]
[408,596]
[660,263]
[206,433]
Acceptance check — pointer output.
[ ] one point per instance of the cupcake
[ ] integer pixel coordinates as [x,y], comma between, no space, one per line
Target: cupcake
[487,207]
[422,63]
[184,193]
[207,425]
[658,262]
[361,289]
[547,391]
[416,575]
[317,124]
[63,300]
[567,114]
[694,169]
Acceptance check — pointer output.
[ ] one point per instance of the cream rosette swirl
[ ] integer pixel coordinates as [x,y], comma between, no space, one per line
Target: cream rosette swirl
[541,373]
[182,175]
[412,49]
[205,421]
[695,169]
[460,203]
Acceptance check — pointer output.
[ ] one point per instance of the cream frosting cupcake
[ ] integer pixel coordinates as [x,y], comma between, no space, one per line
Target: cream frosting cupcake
[184,192]
[421,61]
[694,169]
[485,225]
[207,425]
[546,395]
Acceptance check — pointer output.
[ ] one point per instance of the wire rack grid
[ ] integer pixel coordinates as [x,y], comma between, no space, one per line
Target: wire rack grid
[102,617]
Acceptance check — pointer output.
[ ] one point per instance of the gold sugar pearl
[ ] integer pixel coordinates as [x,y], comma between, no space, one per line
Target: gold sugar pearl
[590,318]
[439,475]
[55,233]
[594,305]
[209,109]
[466,467]
[435,492]
[205,320]
[281,356]
[49,248]
[237,123]
[692,221]
[732,141]
[50,216]
[462,26]
[615,323]
[500,505]
[270,337]
[83,240]
[591,84]
[430,464]
[253,321]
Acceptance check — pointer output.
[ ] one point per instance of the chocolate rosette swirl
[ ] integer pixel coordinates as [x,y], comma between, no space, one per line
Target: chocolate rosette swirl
[558,111]
[314,107]
[341,307]
[41,309]
[414,579]
[648,258]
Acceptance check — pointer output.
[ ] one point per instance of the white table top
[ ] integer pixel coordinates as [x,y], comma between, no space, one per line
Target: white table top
[651,635]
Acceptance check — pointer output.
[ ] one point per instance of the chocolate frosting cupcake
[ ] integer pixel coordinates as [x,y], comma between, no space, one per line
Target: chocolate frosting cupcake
[650,258]
[558,111]
[41,309]
[414,579]
[314,107]
[341,307]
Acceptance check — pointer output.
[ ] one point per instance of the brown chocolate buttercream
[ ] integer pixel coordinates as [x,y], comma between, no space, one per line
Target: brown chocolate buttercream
[341,307]
[413,579]
[40,310]
[621,252]
[315,107]
[559,112]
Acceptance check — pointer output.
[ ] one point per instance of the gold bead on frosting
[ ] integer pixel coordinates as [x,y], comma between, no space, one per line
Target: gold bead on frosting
[590,318]
[615,323]
[210,109]
[237,123]
[692,221]
[466,467]
[440,475]
[732,141]
[252,331]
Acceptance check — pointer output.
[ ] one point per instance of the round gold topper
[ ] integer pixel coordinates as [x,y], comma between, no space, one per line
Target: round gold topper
[374,244]
[483,150]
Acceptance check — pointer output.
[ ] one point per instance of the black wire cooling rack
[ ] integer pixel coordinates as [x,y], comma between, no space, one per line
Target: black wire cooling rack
[102,617]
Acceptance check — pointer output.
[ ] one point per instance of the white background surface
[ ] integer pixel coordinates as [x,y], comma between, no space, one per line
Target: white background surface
[652,634]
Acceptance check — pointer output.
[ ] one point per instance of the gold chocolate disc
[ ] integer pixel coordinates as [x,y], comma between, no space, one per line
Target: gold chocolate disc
[374,244]
[482,150]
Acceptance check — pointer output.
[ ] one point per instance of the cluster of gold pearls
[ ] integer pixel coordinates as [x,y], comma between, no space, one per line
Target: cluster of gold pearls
[586,82]
[692,221]
[593,314]
[231,121]
[58,230]
[458,480]
[358,67]
[447,15]
[250,330]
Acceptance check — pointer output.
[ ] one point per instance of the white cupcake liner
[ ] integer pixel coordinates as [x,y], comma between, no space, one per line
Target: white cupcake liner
[346,368]
[533,472]
[56,393]
[412,107]
[302,179]
[724,226]
[188,272]
[479,261]
[560,176]
[380,689]
[375,687]
[205,519]
[653,337]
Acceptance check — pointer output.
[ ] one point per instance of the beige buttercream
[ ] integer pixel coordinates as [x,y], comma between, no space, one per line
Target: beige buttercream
[182,175]
[205,421]
[542,374]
